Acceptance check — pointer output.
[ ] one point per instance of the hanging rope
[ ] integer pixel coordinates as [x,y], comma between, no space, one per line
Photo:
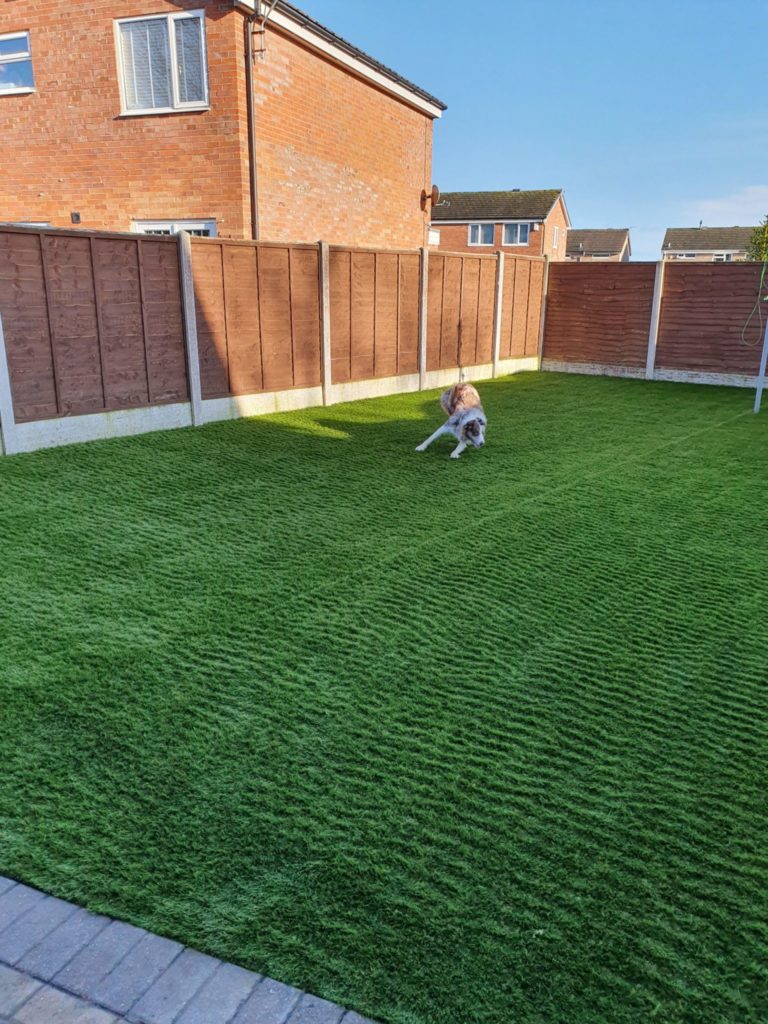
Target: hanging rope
[756,309]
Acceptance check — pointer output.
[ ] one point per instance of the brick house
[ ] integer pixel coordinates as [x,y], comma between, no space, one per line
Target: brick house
[527,223]
[586,245]
[227,117]
[706,245]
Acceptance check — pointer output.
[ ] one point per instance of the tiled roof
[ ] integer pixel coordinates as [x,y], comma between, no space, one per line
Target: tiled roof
[707,239]
[589,240]
[512,205]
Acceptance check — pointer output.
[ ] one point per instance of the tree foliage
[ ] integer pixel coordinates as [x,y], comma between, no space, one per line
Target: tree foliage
[758,243]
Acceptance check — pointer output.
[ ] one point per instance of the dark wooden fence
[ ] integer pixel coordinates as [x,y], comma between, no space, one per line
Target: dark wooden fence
[92,322]
[601,314]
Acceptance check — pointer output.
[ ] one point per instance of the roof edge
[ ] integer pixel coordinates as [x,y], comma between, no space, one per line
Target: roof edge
[289,18]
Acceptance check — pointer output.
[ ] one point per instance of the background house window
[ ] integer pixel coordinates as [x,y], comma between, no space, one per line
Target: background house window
[516,234]
[16,64]
[722,257]
[686,256]
[555,236]
[202,228]
[481,234]
[162,63]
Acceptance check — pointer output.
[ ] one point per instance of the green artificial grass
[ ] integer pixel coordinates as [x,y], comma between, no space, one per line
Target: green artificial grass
[474,742]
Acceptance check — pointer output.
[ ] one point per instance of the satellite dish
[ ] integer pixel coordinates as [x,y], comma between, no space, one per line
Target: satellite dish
[433,197]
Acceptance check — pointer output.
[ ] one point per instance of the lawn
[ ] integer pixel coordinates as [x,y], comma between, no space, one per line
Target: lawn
[474,742]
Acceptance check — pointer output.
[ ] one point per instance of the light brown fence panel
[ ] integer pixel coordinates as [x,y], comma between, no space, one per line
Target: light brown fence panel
[305,316]
[208,275]
[599,313]
[25,323]
[163,320]
[240,271]
[704,311]
[92,321]
[374,313]
[275,305]
[534,304]
[460,305]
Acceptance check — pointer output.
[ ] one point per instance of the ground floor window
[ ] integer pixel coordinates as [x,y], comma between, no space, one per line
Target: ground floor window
[203,228]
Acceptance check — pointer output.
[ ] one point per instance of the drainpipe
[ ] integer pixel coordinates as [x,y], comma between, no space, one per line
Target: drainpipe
[249,23]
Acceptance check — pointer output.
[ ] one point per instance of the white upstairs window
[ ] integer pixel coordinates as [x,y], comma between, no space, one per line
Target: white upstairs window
[555,236]
[481,234]
[16,74]
[162,63]
[516,234]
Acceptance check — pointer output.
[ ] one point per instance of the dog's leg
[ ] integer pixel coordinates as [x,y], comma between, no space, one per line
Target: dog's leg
[445,429]
[458,449]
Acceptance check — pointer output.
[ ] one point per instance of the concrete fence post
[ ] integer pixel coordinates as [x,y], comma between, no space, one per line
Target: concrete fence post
[423,298]
[190,327]
[543,313]
[653,334]
[497,311]
[324,271]
[7,417]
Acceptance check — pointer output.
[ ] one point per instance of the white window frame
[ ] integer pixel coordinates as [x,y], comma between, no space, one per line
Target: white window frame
[480,225]
[555,236]
[722,257]
[177,107]
[17,58]
[146,227]
[515,224]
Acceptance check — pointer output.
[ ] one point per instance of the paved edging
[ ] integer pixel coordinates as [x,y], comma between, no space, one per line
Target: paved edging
[60,963]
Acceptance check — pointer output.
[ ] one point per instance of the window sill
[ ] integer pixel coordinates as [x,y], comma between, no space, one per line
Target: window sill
[25,91]
[165,110]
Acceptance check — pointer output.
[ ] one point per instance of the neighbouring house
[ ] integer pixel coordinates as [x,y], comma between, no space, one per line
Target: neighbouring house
[231,117]
[706,245]
[527,223]
[586,245]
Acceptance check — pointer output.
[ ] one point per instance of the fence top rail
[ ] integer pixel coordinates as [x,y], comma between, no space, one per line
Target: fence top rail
[86,233]
[368,248]
[249,242]
[488,255]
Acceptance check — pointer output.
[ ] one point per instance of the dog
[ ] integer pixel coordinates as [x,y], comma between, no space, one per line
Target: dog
[466,419]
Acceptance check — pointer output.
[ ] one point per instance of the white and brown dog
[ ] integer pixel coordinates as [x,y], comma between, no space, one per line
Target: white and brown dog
[466,419]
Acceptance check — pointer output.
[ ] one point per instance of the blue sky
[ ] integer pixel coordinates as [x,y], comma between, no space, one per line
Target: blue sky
[649,113]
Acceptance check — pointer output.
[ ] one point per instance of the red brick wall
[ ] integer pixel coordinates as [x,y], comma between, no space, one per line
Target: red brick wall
[71,149]
[337,158]
[453,238]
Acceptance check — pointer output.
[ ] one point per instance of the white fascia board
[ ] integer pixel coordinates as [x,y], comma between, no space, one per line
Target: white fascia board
[306,35]
[706,252]
[498,220]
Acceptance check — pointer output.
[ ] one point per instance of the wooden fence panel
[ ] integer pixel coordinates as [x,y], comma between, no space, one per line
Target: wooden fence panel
[486,297]
[121,325]
[340,264]
[599,313]
[25,323]
[363,315]
[275,295]
[305,316]
[408,314]
[241,310]
[166,358]
[386,315]
[69,280]
[208,275]
[704,310]
[435,285]
[534,304]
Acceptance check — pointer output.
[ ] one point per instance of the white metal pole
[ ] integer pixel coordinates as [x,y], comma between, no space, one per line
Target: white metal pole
[7,418]
[761,372]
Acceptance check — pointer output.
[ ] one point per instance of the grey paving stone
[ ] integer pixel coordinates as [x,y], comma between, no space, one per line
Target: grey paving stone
[15,902]
[313,1010]
[269,1003]
[6,884]
[15,988]
[219,999]
[162,1003]
[83,973]
[32,927]
[354,1018]
[56,950]
[136,972]
[50,1006]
